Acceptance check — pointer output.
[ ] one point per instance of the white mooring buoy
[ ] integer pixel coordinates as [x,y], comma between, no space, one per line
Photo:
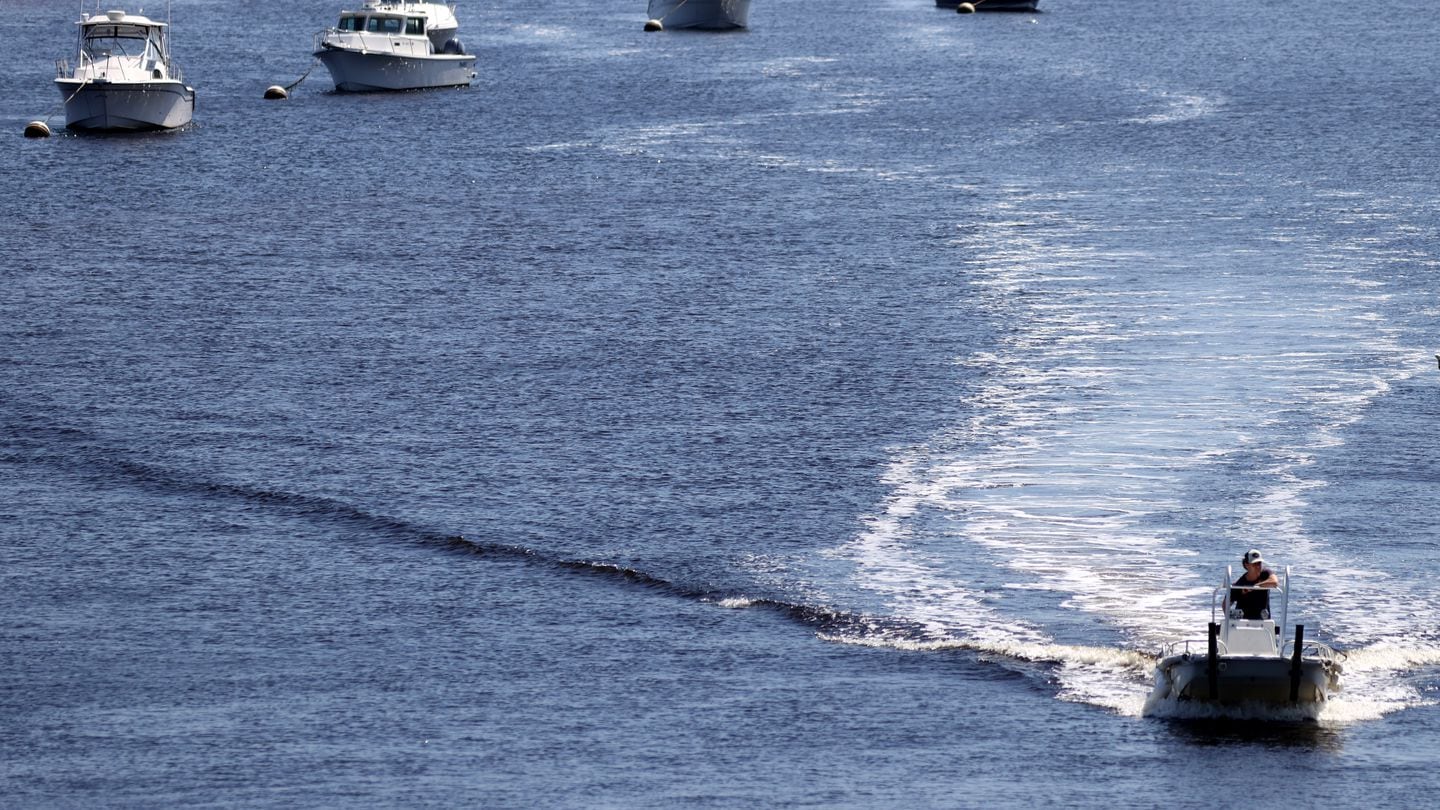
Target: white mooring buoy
[275,91]
[965,8]
[37,129]
[654,25]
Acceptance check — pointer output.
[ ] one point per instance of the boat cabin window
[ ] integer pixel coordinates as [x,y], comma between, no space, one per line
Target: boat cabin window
[414,25]
[118,40]
[352,24]
[385,25]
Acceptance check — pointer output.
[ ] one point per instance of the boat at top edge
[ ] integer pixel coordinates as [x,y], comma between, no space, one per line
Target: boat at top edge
[124,78]
[715,15]
[993,5]
[1245,660]
[395,46]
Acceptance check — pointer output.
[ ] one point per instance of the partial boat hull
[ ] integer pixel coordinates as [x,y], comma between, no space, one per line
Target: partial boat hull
[361,72]
[126,106]
[993,5]
[705,14]
[1245,679]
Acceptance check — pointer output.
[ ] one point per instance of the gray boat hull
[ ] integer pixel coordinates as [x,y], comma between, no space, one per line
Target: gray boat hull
[102,106]
[1244,679]
[705,14]
[360,72]
[993,5]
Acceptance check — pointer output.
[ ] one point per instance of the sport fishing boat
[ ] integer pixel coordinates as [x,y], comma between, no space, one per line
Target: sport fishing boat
[706,14]
[395,46]
[1245,660]
[993,5]
[123,78]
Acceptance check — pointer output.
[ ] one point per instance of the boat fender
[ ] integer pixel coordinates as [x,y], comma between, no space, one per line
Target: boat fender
[275,91]
[654,25]
[37,129]
[965,8]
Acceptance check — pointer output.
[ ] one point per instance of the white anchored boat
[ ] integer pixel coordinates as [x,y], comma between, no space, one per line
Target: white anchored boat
[395,46]
[123,77]
[1245,660]
[708,14]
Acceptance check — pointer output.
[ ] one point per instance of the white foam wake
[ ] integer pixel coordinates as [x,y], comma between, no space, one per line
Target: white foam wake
[1134,430]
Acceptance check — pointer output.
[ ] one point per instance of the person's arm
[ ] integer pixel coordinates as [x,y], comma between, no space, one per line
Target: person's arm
[1268,582]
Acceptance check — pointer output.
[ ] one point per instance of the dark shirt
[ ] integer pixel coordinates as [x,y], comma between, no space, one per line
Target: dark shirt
[1252,604]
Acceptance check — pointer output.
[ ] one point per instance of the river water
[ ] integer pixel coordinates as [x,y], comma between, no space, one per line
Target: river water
[840,413]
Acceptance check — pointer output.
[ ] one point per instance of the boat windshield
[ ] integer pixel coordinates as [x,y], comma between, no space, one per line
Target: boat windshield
[102,41]
[382,25]
[385,25]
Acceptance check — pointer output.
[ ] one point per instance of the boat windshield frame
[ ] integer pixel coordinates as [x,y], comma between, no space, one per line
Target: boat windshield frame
[150,38]
[1220,598]
[1220,615]
[370,22]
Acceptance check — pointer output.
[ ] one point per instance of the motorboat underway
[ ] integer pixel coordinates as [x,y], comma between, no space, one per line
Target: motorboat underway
[707,14]
[395,46]
[123,78]
[993,5]
[1245,660]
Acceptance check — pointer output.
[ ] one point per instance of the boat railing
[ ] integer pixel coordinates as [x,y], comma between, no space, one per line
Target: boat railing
[1201,647]
[62,68]
[367,42]
[92,66]
[1220,607]
[1312,649]
[381,3]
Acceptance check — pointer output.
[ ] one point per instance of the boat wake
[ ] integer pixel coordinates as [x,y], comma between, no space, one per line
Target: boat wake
[1086,674]
[1140,418]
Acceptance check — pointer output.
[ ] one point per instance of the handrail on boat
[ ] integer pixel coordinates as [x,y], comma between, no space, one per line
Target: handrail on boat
[1202,647]
[1312,649]
[1219,607]
[1220,597]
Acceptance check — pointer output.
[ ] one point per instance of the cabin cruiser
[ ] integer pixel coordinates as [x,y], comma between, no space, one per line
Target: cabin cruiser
[395,46]
[123,77]
[993,5]
[1246,660]
[707,14]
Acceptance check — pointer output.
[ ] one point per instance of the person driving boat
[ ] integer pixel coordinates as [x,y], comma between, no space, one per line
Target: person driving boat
[1253,603]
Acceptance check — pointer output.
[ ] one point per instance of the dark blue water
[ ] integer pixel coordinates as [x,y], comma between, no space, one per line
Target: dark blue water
[840,413]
